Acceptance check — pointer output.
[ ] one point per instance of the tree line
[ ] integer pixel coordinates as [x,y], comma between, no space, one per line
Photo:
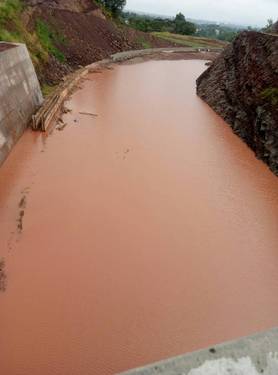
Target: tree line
[177,25]
[115,7]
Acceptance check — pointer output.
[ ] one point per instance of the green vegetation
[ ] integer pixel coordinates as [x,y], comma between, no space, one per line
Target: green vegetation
[190,41]
[47,89]
[271,27]
[113,6]
[143,42]
[221,32]
[41,42]
[9,11]
[271,94]
[181,26]
[268,26]
[9,8]
[147,23]
[12,29]
[49,38]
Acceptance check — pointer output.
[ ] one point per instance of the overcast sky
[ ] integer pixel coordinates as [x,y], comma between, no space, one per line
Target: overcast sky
[246,12]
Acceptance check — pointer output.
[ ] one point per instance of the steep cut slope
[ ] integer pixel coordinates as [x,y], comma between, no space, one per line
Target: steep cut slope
[81,37]
[242,87]
[85,36]
[61,35]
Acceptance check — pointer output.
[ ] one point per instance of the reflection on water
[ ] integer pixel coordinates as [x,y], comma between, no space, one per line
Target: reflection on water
[149,230]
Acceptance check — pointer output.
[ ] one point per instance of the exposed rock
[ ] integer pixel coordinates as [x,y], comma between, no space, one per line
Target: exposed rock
[242,87]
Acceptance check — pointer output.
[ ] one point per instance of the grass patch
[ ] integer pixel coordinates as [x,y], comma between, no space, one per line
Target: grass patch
[49,38]
[190,41]
[9,12]
[12,29]
[47,90]
[271,94]
[9,9]
[40,43]
[143,42]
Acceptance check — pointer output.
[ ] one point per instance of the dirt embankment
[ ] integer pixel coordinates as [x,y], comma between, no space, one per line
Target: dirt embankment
[242,87]
[82,34]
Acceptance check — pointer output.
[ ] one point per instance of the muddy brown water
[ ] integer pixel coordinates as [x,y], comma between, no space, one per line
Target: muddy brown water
[144,232]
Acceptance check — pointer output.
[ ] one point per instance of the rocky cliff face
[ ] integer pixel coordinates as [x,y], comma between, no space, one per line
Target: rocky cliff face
[242,87]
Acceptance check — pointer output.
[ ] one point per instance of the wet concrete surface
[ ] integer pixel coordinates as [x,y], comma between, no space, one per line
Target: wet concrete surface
[143,230]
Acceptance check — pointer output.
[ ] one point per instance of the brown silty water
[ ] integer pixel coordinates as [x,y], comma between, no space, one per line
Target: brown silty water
[144,232]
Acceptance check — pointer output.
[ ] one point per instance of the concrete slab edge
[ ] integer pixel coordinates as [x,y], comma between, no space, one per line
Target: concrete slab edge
[253,355]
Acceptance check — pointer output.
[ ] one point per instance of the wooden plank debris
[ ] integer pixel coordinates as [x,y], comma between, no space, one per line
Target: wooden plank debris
[51,106]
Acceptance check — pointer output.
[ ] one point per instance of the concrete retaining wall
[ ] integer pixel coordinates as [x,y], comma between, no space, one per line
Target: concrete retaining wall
[252,355]
[20,94]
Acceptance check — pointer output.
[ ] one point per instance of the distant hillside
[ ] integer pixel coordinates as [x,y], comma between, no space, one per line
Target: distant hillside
[242,87]
[204,29]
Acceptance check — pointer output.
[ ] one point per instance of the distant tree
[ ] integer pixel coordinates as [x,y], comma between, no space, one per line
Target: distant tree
[269,26]
[270,23]
[148,23]
[227,36]
[179,23]
[181,26]
[114,6]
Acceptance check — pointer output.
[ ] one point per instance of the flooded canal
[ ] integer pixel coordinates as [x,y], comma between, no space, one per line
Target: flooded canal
[143,230]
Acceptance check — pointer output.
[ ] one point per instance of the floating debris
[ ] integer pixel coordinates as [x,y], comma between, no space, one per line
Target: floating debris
[20,221]
[3,276]
[22,205]
[66,110]
[88,114]
[61,124]
[61,127]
